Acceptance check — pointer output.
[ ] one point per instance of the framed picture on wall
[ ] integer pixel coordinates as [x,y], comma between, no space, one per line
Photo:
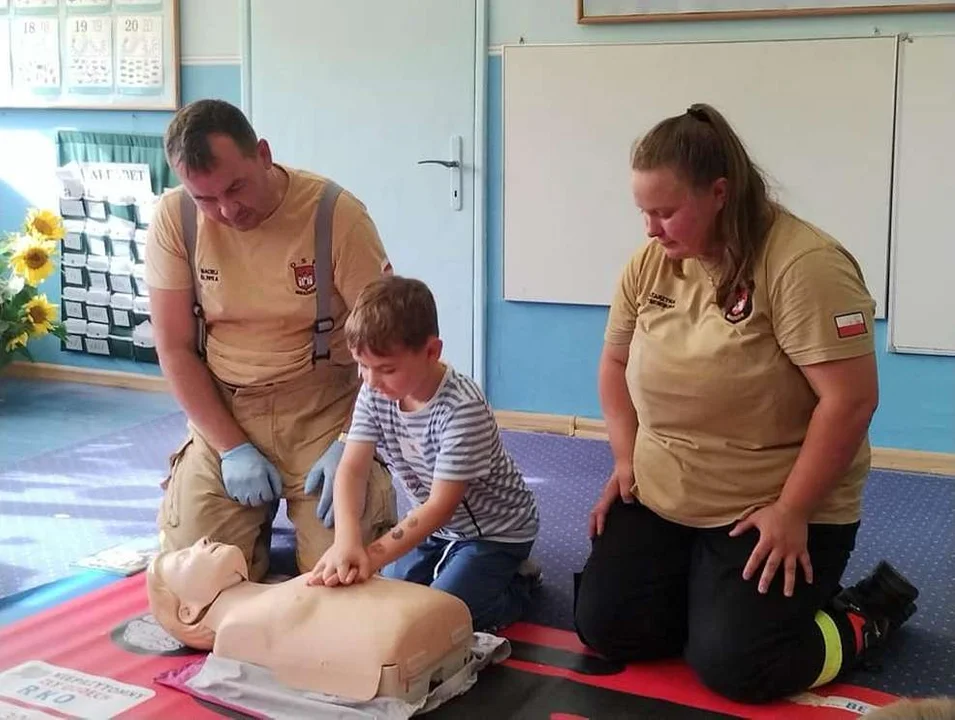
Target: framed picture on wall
[89,54]
[597,12]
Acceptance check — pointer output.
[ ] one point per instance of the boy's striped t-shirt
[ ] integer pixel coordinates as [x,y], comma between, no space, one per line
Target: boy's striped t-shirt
[454,437]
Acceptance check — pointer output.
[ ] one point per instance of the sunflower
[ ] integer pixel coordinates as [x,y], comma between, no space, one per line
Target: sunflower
[32,258]
[45,225]
[17,342]
[41,314]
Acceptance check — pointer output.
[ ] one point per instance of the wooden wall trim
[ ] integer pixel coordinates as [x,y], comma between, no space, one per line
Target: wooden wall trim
[884,458]
[90,376]
[916,461]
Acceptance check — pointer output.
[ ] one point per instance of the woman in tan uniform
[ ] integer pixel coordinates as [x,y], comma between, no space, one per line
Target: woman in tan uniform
[738,380]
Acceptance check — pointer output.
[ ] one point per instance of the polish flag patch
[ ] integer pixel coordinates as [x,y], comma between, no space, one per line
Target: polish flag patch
[850,325]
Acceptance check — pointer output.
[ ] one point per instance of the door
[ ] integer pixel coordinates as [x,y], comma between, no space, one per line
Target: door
[362,91]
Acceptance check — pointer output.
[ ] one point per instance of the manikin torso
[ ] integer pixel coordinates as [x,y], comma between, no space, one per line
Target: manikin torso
[337,640]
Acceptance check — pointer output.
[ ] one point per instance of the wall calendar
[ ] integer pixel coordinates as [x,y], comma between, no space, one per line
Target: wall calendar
[93,54]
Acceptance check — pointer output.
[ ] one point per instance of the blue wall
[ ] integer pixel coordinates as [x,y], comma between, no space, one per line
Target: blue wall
[540,358]
[28,138]
[543,358]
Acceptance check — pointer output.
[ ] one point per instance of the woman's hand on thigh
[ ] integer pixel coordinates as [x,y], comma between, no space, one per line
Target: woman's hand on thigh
[783,540]
[618,485]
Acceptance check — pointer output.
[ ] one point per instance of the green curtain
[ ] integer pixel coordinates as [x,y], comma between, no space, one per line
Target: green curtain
[85,146]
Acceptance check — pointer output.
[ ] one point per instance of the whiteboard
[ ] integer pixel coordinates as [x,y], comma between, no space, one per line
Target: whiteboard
[817,115]
[923,246]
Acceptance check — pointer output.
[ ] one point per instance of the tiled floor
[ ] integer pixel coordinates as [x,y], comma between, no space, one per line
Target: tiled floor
[37,416]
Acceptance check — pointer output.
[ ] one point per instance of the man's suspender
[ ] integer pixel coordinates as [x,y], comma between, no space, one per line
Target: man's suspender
[324,322]
[324,282]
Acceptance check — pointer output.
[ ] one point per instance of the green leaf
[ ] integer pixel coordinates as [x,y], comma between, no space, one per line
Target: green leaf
[25,295]
[8,357]
[10,312]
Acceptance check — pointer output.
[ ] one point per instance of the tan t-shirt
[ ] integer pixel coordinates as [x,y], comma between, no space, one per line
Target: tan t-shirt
[721,403]
[259,317]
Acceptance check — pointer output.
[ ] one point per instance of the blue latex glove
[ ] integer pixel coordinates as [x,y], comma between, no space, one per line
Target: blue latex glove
[322,478]
[249,477]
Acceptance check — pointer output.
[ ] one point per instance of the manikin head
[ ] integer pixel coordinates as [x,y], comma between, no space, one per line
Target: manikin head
[215,153]
[701,195]
[182,584]
[392,332]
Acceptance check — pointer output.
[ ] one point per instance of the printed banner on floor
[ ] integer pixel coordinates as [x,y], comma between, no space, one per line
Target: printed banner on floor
[834,701]
[70,691]
[15,712]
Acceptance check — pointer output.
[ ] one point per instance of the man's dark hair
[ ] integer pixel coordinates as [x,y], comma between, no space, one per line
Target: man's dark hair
[187,137]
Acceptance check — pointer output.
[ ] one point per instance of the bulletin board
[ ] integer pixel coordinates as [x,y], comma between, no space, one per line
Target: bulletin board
[108,192]
[89,54]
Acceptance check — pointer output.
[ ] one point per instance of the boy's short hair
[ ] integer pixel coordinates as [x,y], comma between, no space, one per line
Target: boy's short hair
[392,313]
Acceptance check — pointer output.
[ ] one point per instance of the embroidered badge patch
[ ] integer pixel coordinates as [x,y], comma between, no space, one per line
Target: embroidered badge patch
[661,301]
[304,275]
[742,308]
[850,325]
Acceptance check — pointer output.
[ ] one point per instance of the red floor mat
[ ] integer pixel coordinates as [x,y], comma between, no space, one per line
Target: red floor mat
[109,634]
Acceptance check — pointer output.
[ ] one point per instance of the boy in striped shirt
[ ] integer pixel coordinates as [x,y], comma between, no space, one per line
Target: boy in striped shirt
[473,520]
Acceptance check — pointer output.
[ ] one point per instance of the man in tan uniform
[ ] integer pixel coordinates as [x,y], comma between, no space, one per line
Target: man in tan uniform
[252,268]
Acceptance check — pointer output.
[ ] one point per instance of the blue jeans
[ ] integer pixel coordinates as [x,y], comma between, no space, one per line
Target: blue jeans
[483,573]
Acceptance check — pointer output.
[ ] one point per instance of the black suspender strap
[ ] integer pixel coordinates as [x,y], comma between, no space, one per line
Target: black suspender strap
[324,216]
[324,283]
[189,222]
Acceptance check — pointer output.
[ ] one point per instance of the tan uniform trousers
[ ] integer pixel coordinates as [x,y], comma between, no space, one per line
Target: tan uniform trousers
[292,424]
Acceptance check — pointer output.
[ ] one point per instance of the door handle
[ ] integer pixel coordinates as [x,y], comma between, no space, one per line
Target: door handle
[454,165]
[446,163]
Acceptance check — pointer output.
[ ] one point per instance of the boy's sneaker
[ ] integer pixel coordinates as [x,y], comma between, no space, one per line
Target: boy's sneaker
[884,600]
[530,570]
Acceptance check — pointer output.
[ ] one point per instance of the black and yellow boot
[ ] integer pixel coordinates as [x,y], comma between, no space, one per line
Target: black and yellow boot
[877,606]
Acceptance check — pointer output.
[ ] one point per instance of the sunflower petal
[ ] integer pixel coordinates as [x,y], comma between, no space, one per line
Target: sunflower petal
[32,258]
[45,224]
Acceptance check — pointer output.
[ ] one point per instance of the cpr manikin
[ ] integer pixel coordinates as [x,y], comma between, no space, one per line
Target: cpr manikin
[377,638]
